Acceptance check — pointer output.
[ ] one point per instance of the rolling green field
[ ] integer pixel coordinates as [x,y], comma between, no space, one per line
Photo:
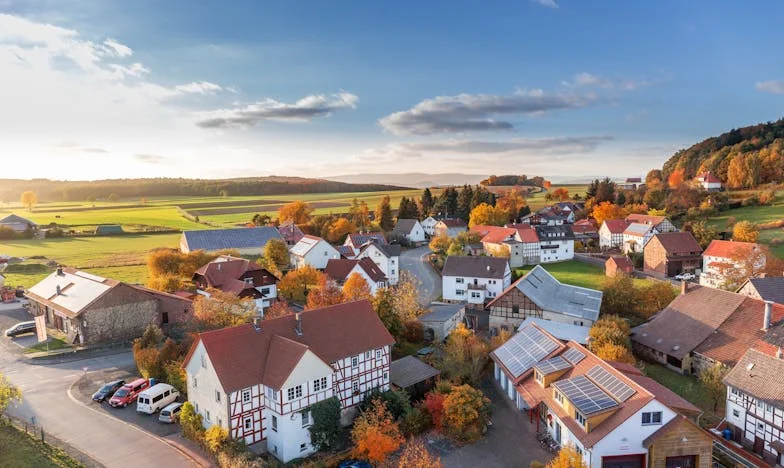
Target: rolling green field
[576,273]
[758,215]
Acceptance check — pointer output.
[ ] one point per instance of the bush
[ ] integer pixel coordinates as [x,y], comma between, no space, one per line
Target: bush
[325,430]
[190,421]
[415,422]
[414,332]
[241,460]
[396,401]
[215,438]
[767,197]
[751,201]
[54,233]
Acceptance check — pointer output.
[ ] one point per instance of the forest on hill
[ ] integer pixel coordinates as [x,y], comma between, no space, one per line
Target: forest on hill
[742,158]
[508,180]
[59,190]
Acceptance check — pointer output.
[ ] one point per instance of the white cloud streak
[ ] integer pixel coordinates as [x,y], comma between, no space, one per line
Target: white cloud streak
[547,3]
[771,86]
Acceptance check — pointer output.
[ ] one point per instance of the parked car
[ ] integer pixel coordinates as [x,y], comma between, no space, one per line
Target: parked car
[20,329]
[354,464]
[107,390]
[170,414]
[685,276]
[128,393]
[156,398]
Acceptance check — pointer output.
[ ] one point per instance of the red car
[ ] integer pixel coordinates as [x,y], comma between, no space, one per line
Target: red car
[127,393]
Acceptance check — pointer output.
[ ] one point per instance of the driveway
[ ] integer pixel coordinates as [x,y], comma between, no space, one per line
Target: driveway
[510,441]
[49,398]
[414,261]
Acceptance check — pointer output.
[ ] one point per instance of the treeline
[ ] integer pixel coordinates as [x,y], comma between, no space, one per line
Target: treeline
[513,180]
[741,158]
[57,190]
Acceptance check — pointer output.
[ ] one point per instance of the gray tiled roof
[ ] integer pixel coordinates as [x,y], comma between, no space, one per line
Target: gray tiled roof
[409,371]
[759,375]
[769,288]
[550,294]
[404,226]
[475,267]
[440,312]
[237,238]
[13,219]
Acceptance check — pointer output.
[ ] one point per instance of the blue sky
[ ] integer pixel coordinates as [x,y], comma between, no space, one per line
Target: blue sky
[96,89]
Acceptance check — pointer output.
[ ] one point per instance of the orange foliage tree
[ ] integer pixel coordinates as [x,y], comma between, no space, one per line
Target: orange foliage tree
[297,211]
[676,178]
[277,309]
[222,310]
[745,231]
[567,457]
[356,288]
[339,229]
[607,210]
[547,184]
[416,455]
[375,434]
[466,413]
[561,194]
[434,403]
[296,283]
[326,294]
[614,352]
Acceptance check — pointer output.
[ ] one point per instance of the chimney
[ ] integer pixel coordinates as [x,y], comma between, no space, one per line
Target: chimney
[59,270]
[298,328]
[779,354]
[257,324]
[766,319]
[59,291]
[684,286]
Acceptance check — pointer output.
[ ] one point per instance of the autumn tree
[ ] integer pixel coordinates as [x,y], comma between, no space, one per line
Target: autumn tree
[297,212]
[712,379]
[276,253]
[221,310]
[277,309]
[745,263]
[513,202]
[653,297]
[8,394]
[375,434]
[166,283]
[327,293]
[295,284]
[359,213]
[356,288]
[607,210]
[29,199]
[384,215]
[112,197]
[653,179]
[547,184]
[610,329]
[406,297]
[488,215]
[260,219]
[703,232]
[466,413]
[676,178]
[191,423]
[416,455]
[614,352]
[440,244]
[745,231]
[434,403]
[464,356]
[568,457]
[561,194]
[339,229]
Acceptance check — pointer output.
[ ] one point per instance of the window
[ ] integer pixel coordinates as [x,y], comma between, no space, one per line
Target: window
[538,376]
[320,384]
[393,272]
[203,361]
[220,422]
[305,418]
[385,376]
[459,292]
[247,423]
[475,294]
[735,391]
[735,413]
[303,447]
[515,309]
[165,317]
[558,397]
[650,418]
[274,423]
[298,391]
[270,393]
[355,386]
[207,414]
[265,291]
[246,396]
[294,392]
[459,280]
[290,393]
[217,396]
[768,408]
[355,361]
[579,418]
[249,281]
[761,426]
[196,407]
[367,355]
[378,354]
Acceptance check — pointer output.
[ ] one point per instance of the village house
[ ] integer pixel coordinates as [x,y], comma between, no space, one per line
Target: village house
[313,251]
[585,231]
[429,225]
[17,223]
[703,326]
[556,243]
[709,181]
[618,264]
[549,216]
[722,256]
[631,183]
[91,309]
[519,244]
[450,227]
[765,288]
[440,319]
[636,236]
[290,232]
[539,294]
[474,279]
[246,241]
[385,256]
[661,223]
[611,233]
[563,331]
[258,381]
[672,253]
[240,277]
[411,229]
[614,417]
[341,269]
[358,239]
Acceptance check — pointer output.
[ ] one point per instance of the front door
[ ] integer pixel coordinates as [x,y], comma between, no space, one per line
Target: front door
[759,445]
[557,432]
[686,461]
[624,461]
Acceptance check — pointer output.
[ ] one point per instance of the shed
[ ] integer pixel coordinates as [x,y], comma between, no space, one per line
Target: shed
[616,264]
[109,230]
[441,319]
[412,375]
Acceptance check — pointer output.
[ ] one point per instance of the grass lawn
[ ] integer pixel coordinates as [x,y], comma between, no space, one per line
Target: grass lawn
[690,388]
[757,214]
[18,450]
[54,343]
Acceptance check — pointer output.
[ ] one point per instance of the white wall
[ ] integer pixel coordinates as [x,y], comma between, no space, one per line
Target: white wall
[201,392]
[564,251]
[429,226]
[389,265]
[317,257]
[563,318]
[417,233]
[493,287]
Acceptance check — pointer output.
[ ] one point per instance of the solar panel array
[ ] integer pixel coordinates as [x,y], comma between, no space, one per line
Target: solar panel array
[611,383]
[552,365]
[585,395]
[573,355]
[525,349]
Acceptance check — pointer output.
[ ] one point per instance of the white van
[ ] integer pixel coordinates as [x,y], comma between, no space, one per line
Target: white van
[155,398]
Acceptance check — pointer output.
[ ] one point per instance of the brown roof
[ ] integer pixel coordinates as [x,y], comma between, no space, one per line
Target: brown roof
[290,232]
[621,262]
[678,242]
[728,249]
[645,219]
[709,177]
[453,222]
[616,226]
[243,356]
[225,273]
[475,267]
[687,321]
[496,235]
[340,269]
[409,370]
[759,375]
[404,226]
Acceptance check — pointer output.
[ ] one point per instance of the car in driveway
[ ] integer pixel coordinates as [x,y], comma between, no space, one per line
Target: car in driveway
[171,413]
[107,390]
[156,398]
[354,464]
[685,276]
[127,393]
[20,329]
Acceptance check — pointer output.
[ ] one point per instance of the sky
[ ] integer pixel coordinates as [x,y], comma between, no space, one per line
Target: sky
[210,89]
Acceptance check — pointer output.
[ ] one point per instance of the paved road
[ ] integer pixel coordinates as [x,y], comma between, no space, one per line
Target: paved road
[413,262]
[46,397]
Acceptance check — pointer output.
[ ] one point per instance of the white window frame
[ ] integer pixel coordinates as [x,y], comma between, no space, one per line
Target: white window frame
[355,362]
[355,386]
[378,354]
[651,415]
[274,423]
[289,393]
[298,391]
[247,423]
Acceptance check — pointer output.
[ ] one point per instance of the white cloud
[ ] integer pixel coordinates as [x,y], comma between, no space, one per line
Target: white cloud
[201,87]
[121,50]
[547,3]
[771,86]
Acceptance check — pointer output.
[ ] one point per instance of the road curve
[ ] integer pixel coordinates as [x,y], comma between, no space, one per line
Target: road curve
[414,262]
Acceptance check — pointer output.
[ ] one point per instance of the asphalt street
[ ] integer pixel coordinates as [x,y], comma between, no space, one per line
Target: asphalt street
[414,262]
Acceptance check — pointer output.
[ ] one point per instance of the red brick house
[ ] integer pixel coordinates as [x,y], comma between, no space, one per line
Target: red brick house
[671,253]
[616,264]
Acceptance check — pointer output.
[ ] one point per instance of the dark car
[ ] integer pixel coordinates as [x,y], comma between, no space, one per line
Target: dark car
[107,390]
[354,464]
[20,329]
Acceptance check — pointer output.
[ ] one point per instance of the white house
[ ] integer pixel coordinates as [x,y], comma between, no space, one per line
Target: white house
[411,229]
[609,416]
[709,181]
[519,244]
[611,233]
[474,279]
[636,236]
[341,269]
[722,256]
[240,277]
[258,380]
[556,243]
[661,223]
[313,251]
[450,227]
[429,225]
[358,239]
[386,256]
[17,223]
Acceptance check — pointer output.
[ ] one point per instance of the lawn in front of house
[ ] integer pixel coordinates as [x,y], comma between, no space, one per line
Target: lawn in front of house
[575,273]
[54,344]
[19,450]
[690,388]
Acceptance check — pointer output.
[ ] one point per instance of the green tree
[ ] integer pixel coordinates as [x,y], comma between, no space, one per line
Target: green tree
[8,393]
[384,215]
[261,219]
[384,305]
[276,252]
[326,430]
[426,202]
[703,232]
[712,379]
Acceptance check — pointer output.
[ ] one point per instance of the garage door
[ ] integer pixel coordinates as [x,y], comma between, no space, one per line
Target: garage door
[687,461]
[625,461]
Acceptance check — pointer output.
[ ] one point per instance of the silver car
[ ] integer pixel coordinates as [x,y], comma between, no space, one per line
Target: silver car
[171,413]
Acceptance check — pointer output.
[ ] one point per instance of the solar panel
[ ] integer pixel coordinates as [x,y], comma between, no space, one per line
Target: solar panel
[611,383]
[573,355]
[585,395]
[552,365]
[524,350]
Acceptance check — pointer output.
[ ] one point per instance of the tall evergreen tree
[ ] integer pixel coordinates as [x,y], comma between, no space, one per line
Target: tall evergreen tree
[426,202]
[464,203]
[384,215]
[451,201]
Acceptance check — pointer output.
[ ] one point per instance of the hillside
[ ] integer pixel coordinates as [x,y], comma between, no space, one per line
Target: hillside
[411,179]
[758,148]
[58,190]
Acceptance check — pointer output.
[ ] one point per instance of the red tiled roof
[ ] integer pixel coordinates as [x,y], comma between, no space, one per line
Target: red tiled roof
[585,222]
[728,249]
[709,177]
[527,235]
[621,262]
[242,356]
[340,269]
[498,234]
[616,226]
